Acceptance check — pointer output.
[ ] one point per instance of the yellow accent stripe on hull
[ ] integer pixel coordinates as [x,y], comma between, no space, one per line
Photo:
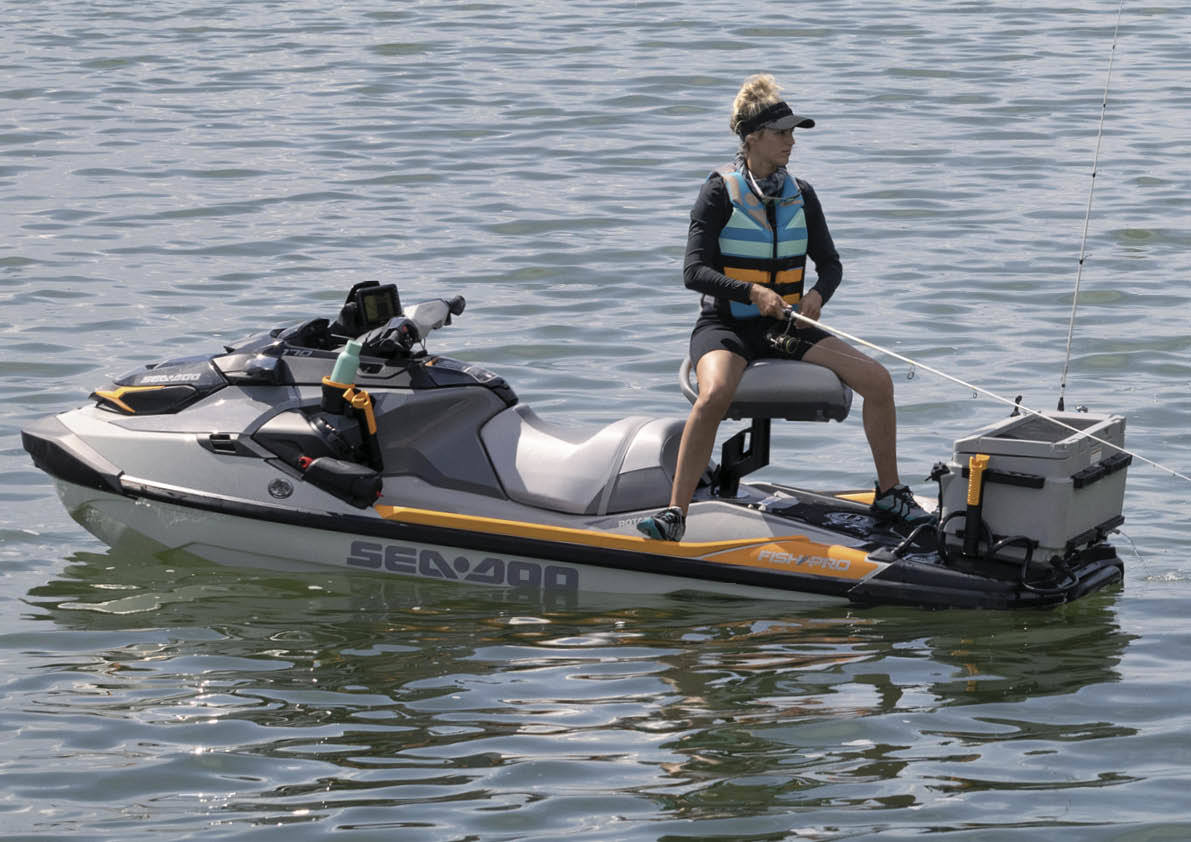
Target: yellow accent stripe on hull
[798,554]
[115,396]
[786,554]
[856,496]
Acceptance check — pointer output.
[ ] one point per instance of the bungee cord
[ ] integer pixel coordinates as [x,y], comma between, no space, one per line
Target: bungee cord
[794,315]
[1083,245]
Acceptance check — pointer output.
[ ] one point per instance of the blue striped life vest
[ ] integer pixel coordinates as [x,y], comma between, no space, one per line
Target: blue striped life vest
[760,249]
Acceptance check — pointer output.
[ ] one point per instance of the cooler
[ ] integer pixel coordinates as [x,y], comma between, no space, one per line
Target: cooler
[1056,485]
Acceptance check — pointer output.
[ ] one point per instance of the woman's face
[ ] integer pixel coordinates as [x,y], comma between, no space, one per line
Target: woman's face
[772,147]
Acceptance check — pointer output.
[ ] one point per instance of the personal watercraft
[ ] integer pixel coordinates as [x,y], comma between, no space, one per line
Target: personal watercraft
[346,443]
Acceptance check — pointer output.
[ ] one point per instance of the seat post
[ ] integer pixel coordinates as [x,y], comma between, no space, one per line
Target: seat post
[738,460]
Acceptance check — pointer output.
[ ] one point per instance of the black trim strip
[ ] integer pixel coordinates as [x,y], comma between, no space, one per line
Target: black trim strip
[65,456]
[1010,478]
[932,586]
[510,545]
[1096,533]
[1118,461]
[1080,479]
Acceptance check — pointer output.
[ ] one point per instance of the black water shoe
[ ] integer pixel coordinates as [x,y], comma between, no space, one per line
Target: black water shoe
[667,525]
[898,504]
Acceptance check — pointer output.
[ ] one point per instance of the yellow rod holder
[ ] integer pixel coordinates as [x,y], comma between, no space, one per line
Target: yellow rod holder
[973,523]
[977,464]
[361,401]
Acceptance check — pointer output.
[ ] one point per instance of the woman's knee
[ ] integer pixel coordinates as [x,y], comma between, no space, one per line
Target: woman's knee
[719,374]
[874,382]
[715,397]
[882,388]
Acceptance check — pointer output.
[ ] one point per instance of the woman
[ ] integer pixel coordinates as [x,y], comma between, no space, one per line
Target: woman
[749,276]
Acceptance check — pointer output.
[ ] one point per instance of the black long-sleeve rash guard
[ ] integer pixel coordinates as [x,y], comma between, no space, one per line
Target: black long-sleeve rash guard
[702,269]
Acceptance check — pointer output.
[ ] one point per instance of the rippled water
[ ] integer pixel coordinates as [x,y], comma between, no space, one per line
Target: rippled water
[173,175]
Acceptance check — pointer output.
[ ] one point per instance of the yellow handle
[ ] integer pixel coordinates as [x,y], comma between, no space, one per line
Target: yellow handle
[362,401]
[977,464]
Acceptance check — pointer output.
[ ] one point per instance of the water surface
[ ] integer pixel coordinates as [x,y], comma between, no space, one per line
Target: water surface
[176,175]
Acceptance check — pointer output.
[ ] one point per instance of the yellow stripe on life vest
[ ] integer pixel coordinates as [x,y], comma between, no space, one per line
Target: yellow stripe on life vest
[749,276]
[760,276]
[792,298]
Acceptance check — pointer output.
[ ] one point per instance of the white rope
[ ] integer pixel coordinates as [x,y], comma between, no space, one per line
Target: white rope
[1083,245]
[1022,407]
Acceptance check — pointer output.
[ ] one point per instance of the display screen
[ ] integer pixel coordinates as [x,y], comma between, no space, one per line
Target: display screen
[377,305]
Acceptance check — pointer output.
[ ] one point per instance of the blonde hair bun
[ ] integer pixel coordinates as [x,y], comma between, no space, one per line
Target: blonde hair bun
[758,92]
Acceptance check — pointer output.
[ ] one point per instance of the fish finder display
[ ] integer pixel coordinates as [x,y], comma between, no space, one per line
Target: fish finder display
[376,305]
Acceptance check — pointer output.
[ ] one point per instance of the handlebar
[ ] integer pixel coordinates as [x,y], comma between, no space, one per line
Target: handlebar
[401,333]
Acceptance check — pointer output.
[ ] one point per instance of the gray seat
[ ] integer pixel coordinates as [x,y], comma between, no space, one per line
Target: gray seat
[771,388]
[624,466]
[790,389]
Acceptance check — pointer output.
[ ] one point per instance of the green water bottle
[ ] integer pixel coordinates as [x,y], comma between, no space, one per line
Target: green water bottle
[347,364]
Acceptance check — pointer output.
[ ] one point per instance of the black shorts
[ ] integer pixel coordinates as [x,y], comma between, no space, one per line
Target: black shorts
[746,338]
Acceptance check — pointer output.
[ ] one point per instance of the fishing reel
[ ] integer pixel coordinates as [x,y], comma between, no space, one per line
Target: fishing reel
[782,344]
[782,339]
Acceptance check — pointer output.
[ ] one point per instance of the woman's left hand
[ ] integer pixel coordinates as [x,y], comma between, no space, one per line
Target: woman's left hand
[811,305]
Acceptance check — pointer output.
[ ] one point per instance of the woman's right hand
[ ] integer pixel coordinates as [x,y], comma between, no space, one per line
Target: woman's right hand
[768,302]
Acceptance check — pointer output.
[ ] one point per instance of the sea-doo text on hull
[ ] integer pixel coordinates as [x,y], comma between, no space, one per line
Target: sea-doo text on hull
[342,444]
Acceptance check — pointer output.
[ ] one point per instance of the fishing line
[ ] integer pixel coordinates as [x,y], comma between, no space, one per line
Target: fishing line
[792,314]
[1083,245]
[977,390]
[1136,551]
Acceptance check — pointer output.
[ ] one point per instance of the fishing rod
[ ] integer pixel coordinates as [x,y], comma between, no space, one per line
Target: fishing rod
[1083,245]
[794,315]
[1018,406]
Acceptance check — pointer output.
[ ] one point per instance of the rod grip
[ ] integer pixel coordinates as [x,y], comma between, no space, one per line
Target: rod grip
[977,464]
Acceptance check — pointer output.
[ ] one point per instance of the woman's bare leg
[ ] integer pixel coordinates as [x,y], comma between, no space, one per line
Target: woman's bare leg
[872,382]
[719,374]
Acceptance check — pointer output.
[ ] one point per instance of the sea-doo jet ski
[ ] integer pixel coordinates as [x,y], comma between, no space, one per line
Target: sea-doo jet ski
[345,443]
